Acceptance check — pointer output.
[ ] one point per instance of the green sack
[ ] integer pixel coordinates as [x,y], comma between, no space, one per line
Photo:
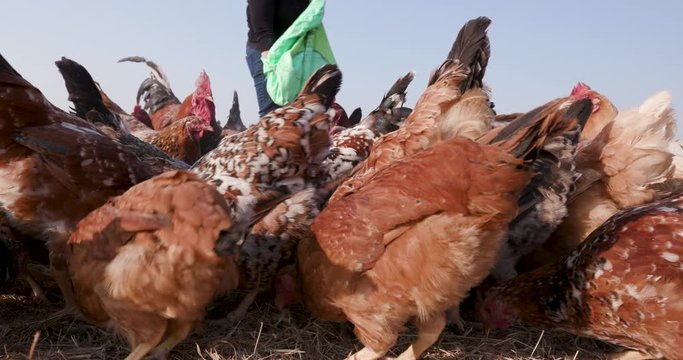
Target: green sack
[297,54]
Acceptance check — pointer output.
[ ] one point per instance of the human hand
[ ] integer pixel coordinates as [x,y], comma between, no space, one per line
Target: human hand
[264,54]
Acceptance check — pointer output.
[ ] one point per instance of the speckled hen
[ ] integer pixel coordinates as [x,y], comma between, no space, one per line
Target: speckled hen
[623,285]
[352,145]
[269,160]
[55,168]
[270,245]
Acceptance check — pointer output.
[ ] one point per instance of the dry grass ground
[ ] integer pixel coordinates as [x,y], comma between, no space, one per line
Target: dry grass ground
[260,336]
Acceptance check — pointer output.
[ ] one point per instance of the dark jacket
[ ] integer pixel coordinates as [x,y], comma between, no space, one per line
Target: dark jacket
[268,19]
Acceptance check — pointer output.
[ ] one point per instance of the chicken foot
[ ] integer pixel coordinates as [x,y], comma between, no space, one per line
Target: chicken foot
[427,334]
[176,332]
[631,355]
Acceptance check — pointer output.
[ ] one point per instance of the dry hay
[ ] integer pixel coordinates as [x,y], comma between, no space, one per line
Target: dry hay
[261,336]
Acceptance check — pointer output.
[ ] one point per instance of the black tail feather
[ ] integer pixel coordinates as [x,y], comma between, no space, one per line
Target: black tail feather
[5,67]
[472,48]
[396,95]
[234,116]
[84,94]
[355,117]
[325,82]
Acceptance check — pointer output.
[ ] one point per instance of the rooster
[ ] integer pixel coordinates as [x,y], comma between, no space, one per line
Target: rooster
[234,124]
[623,285]
[164,107]
[401,246]
[454,104]
[624,165]
[269,160]
[55,167]
[146,263]
[88,99]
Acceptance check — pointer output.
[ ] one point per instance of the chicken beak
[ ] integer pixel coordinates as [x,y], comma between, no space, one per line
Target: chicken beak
[207,127]
[210,98]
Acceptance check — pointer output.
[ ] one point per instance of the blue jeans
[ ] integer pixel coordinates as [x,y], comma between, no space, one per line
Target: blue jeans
[265,103]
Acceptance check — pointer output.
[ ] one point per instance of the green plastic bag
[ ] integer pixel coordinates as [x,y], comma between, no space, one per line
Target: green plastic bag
[297,54]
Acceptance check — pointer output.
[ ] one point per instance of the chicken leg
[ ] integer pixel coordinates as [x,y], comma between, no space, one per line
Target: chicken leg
[59,271]
[238,314]
[177,331]
[454,318]
[144,348]
[428,332]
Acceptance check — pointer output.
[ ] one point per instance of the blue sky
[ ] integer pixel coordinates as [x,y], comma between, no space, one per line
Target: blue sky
[623,48]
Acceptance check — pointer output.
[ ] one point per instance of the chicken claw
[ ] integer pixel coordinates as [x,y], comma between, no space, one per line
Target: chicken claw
[630,355]
[454,318]
[38,292]
[366,354]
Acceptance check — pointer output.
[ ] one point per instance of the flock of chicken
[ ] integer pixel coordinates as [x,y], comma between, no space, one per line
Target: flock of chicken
[149,217]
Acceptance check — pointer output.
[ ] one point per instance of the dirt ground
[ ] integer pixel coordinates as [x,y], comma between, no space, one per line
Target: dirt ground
[26,324]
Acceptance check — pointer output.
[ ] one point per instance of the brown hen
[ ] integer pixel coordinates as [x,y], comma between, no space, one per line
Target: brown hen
[454,104]
[146,263]
[627,164]
[89,104]
[401,247]
[623,285]
[181,139]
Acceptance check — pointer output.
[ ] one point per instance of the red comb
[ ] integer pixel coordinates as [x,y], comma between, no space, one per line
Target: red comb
[580,88]
[203,80]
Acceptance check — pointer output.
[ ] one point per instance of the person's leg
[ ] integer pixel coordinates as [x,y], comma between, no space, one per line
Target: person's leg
[265,103]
